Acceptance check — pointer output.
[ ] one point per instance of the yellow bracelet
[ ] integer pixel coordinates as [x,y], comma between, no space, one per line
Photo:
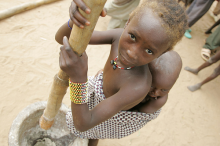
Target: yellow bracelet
[78,92]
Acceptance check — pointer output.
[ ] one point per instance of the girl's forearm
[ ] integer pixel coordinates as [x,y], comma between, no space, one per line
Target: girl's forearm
[64,30]
[81,116]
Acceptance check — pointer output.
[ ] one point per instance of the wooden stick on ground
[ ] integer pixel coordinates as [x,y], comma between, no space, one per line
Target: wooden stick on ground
[23,7]
[79,39]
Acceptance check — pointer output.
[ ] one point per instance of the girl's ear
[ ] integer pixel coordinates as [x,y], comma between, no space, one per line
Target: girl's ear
[126,24]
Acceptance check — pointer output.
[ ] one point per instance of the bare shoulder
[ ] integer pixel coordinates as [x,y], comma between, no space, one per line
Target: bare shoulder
[139,80]
[135,88]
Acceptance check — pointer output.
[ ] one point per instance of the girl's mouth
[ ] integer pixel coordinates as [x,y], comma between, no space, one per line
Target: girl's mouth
[125,61]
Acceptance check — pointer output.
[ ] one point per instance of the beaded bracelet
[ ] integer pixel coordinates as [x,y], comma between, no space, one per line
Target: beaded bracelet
[78,92]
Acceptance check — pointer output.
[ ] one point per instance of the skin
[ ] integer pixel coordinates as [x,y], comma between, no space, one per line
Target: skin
[195,71]
[143,40]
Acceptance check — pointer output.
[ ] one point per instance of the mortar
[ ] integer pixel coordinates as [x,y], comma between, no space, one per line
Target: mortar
[25,129]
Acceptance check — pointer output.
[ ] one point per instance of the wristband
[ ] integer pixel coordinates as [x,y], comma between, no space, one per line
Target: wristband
[78,92]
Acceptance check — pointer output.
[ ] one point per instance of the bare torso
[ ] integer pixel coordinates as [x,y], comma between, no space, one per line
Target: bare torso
[113,80]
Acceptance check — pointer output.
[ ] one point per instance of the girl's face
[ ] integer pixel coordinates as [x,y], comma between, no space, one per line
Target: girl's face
[143,40]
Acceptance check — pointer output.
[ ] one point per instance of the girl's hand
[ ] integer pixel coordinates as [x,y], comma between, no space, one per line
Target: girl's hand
[75,15]
[75,67]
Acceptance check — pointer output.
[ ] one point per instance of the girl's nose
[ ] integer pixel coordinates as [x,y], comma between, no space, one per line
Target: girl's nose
[132,53]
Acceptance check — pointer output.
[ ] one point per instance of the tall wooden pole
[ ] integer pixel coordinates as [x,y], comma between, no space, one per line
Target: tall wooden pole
[23,7]
[79,39]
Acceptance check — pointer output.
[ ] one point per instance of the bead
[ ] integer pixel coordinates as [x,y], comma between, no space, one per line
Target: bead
[114,67]
[78,92]
[112,62]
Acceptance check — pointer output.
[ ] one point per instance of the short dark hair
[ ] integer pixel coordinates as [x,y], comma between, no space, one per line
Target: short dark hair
[173,17]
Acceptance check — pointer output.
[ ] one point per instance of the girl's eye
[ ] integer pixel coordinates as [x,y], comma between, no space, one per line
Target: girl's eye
[149,51]
[132,37]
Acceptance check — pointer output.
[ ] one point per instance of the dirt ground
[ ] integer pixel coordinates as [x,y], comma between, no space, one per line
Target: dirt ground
[29,61]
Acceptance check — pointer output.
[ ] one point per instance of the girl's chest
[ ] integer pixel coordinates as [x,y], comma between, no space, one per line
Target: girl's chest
[111,82]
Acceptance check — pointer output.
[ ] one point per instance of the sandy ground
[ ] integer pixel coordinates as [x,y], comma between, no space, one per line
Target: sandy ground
[29,61]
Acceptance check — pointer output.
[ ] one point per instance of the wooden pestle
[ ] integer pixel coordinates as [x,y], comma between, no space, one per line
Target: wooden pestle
[79,39]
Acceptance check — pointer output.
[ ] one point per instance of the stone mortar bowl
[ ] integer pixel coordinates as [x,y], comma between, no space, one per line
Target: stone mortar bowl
[25,129]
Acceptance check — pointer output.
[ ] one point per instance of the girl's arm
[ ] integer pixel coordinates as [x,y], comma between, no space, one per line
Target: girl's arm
[85,119]
[98,37]
[64,30]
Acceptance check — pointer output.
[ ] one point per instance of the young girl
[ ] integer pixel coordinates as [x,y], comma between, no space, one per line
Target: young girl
[152,29]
